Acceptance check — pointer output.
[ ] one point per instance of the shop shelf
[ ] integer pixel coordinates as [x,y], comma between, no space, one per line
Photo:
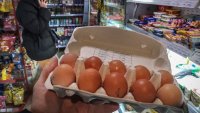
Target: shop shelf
[177,48]
[70,25]
[176,3]
[73,4]
[65,15]
[113,5]
[53,5]
[7,30]
[61,46]
[12,109]
[56,5]
[7,81]
[20,79]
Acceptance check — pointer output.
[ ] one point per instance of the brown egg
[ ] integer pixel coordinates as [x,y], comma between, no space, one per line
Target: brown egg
[93,62]
[166,77]
[143,91]
[170,94]
[142,72]
[115,85]
[69,58]
[63,75]
[117,66]
[89,80]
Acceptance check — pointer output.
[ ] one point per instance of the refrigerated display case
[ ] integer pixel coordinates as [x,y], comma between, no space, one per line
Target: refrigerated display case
[94,12]
[113,13]
[180,33]
[66,15]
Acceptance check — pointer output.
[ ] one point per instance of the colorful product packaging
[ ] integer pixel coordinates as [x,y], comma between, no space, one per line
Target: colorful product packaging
[150,19]
[6,5]
[14,95]
[18,96]
[2,102]
[17,58]
[8,94]
[173,12]
[140,23]
[164,8]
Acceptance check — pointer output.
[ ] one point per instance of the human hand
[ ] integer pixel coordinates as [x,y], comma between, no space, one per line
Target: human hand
[45,101]
[43,3]
[80,107]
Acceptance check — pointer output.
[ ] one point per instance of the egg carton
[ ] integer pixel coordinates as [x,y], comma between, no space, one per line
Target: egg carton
[110,43]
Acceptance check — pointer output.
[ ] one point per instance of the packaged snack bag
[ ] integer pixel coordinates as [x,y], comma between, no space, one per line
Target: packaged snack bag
[2,102]
[18,95]
[6,5]
[8,94]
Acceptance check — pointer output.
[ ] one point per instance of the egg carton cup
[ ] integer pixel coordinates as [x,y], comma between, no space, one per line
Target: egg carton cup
[110,43]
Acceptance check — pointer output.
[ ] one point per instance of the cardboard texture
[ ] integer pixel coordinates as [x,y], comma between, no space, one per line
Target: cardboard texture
[110,43]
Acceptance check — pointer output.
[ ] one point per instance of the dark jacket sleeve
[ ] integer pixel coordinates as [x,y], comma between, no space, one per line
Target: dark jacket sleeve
[45,14]
[32,19]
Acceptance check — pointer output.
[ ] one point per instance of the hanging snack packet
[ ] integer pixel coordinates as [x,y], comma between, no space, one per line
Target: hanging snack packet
[8,94]
[10,5]
[2,102]
[4,6]
[18,96]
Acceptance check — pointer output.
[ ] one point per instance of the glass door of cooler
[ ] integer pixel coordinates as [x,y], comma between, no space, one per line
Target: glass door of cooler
[113,13]
[66,15]
[94,12]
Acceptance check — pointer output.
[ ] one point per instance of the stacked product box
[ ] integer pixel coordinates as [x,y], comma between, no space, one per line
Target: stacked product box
[168,23]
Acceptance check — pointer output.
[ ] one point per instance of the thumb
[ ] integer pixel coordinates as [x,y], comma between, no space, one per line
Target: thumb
[51,65]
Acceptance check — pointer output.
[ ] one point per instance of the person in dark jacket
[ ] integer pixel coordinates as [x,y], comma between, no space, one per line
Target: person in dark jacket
[34,17]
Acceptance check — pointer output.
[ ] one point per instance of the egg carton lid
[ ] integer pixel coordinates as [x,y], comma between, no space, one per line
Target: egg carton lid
[109,43]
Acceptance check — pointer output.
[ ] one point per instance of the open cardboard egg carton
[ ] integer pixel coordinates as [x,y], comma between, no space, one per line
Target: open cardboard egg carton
[109,43]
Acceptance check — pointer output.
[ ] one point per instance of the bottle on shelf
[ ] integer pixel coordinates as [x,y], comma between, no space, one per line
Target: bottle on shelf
[65,25]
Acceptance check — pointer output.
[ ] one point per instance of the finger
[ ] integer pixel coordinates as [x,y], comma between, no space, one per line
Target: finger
[111,107]
[41,1]
[83,107]
[53,63]
[47,102]
[105,108]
